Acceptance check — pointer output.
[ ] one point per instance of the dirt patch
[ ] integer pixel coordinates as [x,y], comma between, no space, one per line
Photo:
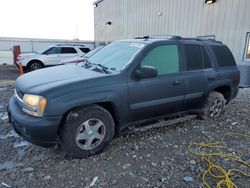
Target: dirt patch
[8,72]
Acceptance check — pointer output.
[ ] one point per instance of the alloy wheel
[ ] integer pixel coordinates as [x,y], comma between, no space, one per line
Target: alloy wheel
[90,134]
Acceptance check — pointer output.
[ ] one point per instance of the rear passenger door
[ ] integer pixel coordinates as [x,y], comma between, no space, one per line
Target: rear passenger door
[67,52]
[194,77]
[164,94]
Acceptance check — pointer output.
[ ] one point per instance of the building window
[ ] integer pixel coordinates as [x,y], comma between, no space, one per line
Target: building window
[247,52]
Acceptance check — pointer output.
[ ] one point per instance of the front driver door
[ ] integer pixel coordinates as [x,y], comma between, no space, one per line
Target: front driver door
[161,95]
[51,56]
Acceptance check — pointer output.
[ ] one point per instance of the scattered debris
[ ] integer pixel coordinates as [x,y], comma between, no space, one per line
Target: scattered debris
[5,184]
[7,165]
[3,89]
[124,167]
[12,133]
[29,169]
[47,177]
[3,116]
[21,144]
[94,181]
[154,164]
[188,178]
[234,123]
[192,162]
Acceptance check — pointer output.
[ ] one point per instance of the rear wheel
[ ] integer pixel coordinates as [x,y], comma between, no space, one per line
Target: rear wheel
[87,131]
[214,106]
[34,65]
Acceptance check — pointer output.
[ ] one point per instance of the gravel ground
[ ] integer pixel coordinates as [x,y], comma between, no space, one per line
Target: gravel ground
[156,158]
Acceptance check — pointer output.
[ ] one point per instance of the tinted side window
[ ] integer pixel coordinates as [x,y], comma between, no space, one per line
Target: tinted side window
[224,56]
[53,50]
[164,58]
[68,50]
[206,60]
[85,50]
[193,57]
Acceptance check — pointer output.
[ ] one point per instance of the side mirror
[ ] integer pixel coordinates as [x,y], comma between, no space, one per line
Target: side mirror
[146,72]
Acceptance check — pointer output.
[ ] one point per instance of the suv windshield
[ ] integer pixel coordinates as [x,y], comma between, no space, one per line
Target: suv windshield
[116,55]
[92,52]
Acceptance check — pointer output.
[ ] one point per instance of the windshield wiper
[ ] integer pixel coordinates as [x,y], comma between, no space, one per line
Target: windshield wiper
[100,67]
[103,68]
[87,64]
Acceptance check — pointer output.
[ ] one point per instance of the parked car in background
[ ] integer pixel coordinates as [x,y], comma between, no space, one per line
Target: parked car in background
[81,58]
[52,55]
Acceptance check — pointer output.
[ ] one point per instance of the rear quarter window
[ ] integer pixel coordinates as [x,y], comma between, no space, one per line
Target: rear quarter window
[224,56]
[85,50]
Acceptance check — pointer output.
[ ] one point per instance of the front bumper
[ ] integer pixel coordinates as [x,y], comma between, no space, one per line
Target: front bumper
[40,131]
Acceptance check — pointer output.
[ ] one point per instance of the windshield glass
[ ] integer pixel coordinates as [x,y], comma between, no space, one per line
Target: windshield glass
[116,55]
[92,52]
[42,50]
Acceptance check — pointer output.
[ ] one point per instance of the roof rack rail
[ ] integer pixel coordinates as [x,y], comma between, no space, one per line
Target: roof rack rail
[177,38]
[165,37]
[159,37]
[144,37]
[202,39]
[68,44]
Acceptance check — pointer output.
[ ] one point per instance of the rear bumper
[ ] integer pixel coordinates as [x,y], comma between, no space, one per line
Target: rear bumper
[40,131]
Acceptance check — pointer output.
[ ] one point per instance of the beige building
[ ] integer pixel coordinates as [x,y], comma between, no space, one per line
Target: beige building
[224,20]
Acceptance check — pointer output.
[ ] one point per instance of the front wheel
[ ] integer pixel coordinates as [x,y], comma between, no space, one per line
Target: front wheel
[34,65]
[214,106]
[87,131]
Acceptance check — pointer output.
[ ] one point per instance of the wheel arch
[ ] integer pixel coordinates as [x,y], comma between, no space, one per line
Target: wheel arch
[109,106]
[225,90]
[35,60]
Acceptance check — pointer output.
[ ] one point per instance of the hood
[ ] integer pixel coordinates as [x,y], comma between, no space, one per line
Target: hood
[24,55]
[40,81]
[28,55]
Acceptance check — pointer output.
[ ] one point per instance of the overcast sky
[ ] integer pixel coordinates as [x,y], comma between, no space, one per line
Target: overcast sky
[58,19]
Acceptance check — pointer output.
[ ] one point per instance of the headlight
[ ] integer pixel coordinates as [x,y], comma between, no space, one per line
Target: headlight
[35,104]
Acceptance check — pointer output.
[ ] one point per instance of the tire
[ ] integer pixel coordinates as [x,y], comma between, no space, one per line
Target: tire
[86,131]
[34,65]
[214,106]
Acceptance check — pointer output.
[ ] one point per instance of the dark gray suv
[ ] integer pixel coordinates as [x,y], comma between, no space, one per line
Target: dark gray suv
[82,106]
